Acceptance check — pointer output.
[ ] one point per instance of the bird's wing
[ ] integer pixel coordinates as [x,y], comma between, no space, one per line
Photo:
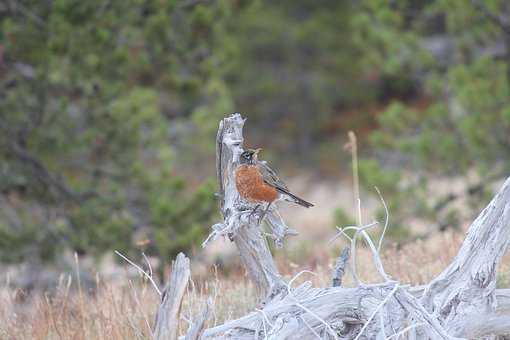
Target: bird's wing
[271,178]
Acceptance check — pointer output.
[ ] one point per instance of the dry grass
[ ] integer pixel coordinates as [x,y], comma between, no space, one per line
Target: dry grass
[122,309]
[125,309]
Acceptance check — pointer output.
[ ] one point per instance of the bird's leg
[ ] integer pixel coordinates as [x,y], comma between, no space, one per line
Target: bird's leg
[254,210]
[264,212]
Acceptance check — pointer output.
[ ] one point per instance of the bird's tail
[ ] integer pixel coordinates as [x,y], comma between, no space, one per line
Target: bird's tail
[293,198]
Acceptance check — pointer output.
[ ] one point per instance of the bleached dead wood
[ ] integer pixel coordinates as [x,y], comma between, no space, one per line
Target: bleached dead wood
[197,327]
[167,317]
[487,326]
[466,288]
[450,307]
[340,266]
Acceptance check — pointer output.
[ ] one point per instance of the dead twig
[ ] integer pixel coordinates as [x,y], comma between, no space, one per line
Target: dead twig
[340,265]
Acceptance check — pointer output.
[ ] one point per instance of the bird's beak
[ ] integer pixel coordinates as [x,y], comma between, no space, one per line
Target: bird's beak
[257,151]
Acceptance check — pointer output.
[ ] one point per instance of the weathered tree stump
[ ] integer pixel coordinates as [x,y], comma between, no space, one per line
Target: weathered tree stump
[240,224]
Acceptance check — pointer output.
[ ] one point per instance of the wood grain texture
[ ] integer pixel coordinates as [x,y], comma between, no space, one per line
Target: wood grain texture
[467,287]
[167,317]
[196,329]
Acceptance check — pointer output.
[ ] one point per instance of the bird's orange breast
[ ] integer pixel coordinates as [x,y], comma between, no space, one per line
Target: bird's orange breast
[251,186]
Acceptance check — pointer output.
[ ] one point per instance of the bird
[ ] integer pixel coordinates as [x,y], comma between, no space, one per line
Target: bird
[257,183]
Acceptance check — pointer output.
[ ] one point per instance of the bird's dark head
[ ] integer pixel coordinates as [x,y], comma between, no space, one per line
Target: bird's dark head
[249,156]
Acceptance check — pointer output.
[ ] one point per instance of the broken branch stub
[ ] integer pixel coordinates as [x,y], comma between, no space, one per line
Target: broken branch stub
[167,317]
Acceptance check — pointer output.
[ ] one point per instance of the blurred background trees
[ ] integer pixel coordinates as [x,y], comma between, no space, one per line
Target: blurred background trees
[457,56]
[92,94]
[108,110]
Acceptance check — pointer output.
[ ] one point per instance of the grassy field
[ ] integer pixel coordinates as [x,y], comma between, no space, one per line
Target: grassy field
[125,309]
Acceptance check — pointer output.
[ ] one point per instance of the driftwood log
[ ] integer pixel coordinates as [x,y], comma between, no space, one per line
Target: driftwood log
[460,303]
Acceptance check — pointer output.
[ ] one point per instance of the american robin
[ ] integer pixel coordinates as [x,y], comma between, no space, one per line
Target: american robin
[258,183]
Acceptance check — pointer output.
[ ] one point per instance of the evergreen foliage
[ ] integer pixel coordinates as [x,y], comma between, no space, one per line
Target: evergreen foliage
[90,93]
[458,53]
